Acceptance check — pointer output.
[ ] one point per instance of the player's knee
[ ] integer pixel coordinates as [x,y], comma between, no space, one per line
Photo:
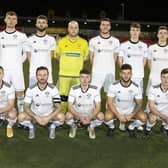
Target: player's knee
[21,117]
[152,118]
[100,116]
[108,116]
[61,117]
[12,114]
[143,117]
[68,116]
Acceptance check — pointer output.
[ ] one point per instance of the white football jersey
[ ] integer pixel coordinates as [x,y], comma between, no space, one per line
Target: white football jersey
[104,49]
[160,98]
[159,60]
[7,92]
[124,97]
[12,48]
[40,49]
[134,54]
[84,102]
[42,101]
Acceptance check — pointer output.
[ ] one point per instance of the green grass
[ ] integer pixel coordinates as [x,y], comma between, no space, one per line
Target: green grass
[81,152]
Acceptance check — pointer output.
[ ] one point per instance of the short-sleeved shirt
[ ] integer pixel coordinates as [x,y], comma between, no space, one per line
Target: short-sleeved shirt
[12,47]
[158,55]
[103,49]
[72,55]
[84,102]
[134,54]
[42,101]
[7,93]
[124,97]
[40,49]
[160,98]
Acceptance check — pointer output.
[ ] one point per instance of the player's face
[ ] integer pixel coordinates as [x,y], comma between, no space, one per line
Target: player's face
[135,32]
[126,75]
[105,27]
[1,74]
[162,35]
[84,79]
[11,21]
[41,24]
[73,29]
[164,79]
[42,76]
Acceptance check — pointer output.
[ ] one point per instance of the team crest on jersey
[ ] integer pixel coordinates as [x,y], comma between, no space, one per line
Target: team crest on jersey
[98,42]
[128,56]
[140,47]
[65,45]
[129,48]
[98,50]
[47,94]
[118,91]
[110,42]
[78,45]
[14,36]
[154,59]
[154,50]
[35,51]
[37,104]
[79,96]
[2,37]
[34,41]
[165,50]
[131,91]
[158,96]
[3,92]
[37,95]
[118,100]
[79,105]
[45,41]
[3,46]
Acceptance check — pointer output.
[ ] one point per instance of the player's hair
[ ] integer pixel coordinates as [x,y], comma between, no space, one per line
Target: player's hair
[42,17]
[164,71]
[162,28]
[126,67]
[84,71]
[1,68]
[105,19]
[11,13]
[135,25]
[41,68]
[73,21]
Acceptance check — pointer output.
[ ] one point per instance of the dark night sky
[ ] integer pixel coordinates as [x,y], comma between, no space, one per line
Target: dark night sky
[133,10]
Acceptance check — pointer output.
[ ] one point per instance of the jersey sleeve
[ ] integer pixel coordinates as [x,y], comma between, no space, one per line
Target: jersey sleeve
[121,51]
[57,51]
[91,45]
[138,94]
[86,50]
[55,96]
[11,94]
[97,97]
[117,45]
[151,94]
[53,44]
[71,97]
[111,91]
[146,51]
[28,96]
[149,54]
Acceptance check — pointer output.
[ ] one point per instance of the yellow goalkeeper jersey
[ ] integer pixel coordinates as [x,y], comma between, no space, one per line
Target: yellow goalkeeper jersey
[72,55]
